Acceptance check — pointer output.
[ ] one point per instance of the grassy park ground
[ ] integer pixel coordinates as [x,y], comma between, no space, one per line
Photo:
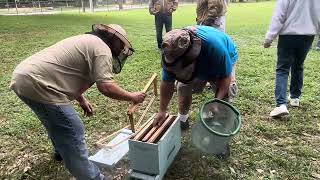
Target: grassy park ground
[265,148]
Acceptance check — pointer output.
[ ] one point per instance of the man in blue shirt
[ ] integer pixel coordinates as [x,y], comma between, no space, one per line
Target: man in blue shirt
[194,56]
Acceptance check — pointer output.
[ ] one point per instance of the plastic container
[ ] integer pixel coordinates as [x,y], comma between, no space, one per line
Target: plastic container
[218,122]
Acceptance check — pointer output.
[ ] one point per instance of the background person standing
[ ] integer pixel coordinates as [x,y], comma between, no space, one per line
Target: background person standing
[162,11]
[296,23]
[212,13]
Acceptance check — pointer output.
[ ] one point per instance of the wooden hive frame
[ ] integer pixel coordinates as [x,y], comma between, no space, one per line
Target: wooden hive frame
[153,134]
[131,110]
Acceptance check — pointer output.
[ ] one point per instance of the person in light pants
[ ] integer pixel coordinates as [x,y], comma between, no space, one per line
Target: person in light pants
[213,13]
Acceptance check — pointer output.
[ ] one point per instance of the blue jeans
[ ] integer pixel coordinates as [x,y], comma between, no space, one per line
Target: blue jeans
[292,51]
[160,20]
[66,131]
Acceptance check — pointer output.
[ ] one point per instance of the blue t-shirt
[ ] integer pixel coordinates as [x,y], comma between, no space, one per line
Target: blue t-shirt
[217,56]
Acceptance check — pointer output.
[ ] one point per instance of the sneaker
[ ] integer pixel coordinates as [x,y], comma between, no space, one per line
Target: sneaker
[295,102]
[57,156]
[279,111]
[184,125]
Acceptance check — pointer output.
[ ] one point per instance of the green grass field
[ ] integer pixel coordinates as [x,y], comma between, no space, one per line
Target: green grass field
[264,149]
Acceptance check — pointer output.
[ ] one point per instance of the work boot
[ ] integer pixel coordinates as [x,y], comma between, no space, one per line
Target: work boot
[184,125]
[57,156]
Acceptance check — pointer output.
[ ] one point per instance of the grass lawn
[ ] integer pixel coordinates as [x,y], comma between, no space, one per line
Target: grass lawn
[264,149]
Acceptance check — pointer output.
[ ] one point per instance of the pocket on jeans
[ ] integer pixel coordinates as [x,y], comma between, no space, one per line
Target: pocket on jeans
[67,110]
[67,116]
[73,126]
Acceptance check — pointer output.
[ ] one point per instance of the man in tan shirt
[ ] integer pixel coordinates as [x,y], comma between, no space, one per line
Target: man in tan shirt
[49,80]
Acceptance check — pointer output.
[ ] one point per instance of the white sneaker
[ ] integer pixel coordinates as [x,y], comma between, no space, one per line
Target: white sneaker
[295,102]
[279,111]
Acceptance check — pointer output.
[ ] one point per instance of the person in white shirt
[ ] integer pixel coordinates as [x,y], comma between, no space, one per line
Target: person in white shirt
[296,22]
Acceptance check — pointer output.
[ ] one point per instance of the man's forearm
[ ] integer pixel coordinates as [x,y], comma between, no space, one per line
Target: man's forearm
[166,92]
[223,87]
[81,98]
[151,7]
[112,90]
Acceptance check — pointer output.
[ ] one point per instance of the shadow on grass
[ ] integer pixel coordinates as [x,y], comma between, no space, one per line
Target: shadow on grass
[190,163]
[45,169]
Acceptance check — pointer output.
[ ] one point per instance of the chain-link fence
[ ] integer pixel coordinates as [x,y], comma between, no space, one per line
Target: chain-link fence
[81,6]
[20,7]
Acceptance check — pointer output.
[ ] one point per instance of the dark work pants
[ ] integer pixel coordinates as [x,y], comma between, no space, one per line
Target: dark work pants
[292,51]
[160,20]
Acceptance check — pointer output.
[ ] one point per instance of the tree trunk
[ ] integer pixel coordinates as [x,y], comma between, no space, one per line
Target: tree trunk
[16,6]
[120,4]
[8,5]
[40,5]
[91,6]
[83,8]
[78,4]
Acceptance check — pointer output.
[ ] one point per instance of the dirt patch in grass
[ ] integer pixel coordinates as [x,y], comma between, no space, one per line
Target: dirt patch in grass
[2,120]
